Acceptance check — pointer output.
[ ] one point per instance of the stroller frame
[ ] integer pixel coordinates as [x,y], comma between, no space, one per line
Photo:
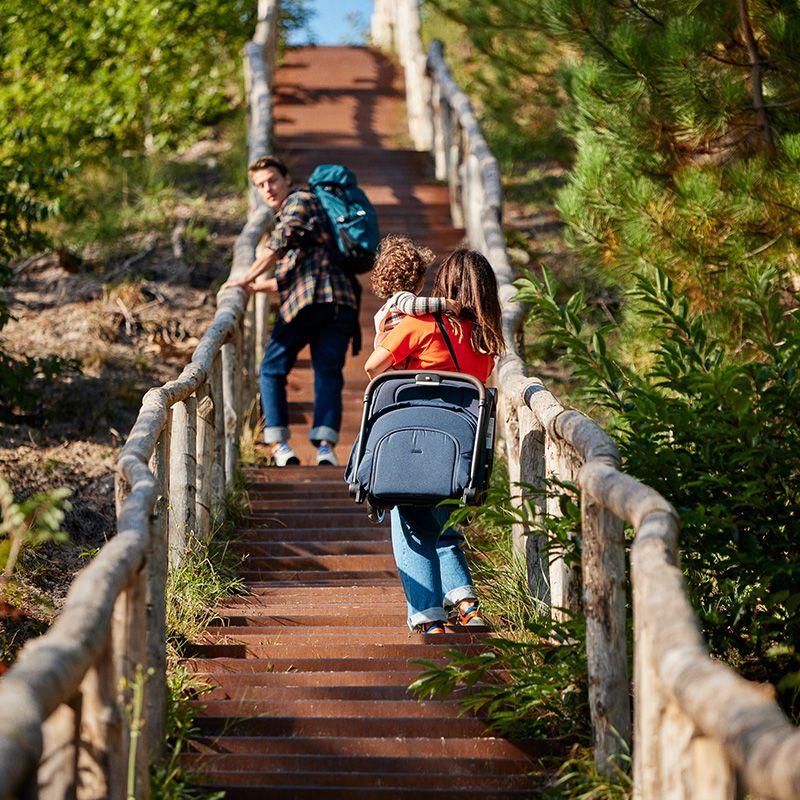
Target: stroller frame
[426,378]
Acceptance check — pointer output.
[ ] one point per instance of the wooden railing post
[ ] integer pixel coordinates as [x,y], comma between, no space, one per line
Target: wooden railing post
[530,435]
[129,637]
[101,757]
[58,769]
[155,705]
[248,349]
[218,468]
[454,174]
[206,446]
[473,211]
[230,383]
[439,138]
[603,568]
[565,592]
[182,480]
[262,332]
[381,33]
[672,758]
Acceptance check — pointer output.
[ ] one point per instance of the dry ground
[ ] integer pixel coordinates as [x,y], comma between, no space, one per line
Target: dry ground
[131,314]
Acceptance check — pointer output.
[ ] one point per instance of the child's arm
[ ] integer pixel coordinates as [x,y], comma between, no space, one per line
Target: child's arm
[414,306]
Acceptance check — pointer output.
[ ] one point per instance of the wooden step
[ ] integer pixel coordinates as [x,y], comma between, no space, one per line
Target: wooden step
[310,667]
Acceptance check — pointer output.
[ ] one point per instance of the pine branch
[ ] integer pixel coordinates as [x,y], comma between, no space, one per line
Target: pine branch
[646,13]
[793,102]
[601,45]
[757,88]
[730,62]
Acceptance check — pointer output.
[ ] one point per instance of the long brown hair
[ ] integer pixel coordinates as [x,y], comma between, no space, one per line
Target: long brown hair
[466,276]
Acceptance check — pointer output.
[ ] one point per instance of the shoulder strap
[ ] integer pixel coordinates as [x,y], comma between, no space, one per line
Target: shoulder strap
[446,337]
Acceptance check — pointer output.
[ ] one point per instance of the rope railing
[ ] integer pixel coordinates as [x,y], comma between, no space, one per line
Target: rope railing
[699,729]
[83,708]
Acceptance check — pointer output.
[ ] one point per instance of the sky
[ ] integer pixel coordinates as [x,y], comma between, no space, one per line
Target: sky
[331,25]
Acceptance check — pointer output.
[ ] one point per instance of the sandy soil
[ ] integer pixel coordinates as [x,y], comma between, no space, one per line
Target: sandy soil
[132,322]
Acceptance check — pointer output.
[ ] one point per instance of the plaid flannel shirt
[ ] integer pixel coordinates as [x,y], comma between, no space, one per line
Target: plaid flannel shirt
[305,271]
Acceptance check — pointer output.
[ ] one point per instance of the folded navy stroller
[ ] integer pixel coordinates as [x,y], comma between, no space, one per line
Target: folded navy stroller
[425,436]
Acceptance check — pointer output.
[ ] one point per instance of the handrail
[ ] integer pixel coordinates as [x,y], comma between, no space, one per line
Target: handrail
[700,729]
[65,703]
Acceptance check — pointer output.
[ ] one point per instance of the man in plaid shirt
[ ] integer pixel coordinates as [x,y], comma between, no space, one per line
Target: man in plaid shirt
[318,307]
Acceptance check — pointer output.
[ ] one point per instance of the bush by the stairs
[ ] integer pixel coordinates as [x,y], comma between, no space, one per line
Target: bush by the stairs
[715,431]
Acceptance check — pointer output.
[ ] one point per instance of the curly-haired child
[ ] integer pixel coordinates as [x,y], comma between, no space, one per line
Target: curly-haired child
[397,277]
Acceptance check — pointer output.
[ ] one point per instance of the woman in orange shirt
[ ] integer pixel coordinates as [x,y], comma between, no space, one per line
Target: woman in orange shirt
[432,567]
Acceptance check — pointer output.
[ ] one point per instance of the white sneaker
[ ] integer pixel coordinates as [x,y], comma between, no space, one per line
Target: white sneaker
[284,456]
[326,456]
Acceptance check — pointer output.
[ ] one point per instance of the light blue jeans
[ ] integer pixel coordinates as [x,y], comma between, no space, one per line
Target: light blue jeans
[432,567]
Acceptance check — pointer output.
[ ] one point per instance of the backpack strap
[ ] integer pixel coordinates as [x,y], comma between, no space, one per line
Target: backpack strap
[440,323]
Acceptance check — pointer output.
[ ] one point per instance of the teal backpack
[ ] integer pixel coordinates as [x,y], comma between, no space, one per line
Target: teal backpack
[351,215]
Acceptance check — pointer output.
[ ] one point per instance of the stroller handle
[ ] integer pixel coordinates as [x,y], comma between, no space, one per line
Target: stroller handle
[433,378]
[422,377]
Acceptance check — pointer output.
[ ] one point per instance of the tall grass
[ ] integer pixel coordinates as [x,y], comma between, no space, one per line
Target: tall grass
[206,576]
[168,778]
[531,680]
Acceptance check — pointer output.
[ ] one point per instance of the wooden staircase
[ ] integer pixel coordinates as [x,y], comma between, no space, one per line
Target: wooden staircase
[311,667]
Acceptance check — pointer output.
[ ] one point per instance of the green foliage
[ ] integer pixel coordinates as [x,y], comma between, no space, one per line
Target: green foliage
[168,780]
[531,680]
[29,194]
[82,80]
[206,575]
[675,168]
[527,689]
[144,74]
[578,779]
[677,164]
[715,432]
[28,524]
[499,56]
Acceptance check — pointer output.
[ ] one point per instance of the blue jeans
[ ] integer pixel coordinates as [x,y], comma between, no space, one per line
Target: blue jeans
[432,568]
[327,327]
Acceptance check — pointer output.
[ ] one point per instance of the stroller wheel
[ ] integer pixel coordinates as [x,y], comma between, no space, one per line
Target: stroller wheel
[375,514]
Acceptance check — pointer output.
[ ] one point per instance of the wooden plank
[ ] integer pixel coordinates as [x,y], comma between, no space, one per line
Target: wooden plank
[101,732]
[565,580]
[533,544]
[58,769]
[230,391]
[182,478]
[206,449]
[129,763]
[157,567]
[218,467]
[603,567]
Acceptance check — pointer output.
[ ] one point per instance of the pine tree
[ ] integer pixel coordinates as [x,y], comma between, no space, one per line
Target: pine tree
[686,126]
[685,115]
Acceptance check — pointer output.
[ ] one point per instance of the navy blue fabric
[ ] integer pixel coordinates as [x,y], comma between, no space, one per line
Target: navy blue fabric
[417,453]
[419,442]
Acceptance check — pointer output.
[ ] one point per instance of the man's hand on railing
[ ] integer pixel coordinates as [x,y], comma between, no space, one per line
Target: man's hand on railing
[248,280]
[251,286]
[266,285]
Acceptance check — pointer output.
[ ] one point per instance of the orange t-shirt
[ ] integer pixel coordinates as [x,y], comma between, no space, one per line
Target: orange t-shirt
[416,343]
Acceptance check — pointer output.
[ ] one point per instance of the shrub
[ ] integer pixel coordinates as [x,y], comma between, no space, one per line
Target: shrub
[715,431]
